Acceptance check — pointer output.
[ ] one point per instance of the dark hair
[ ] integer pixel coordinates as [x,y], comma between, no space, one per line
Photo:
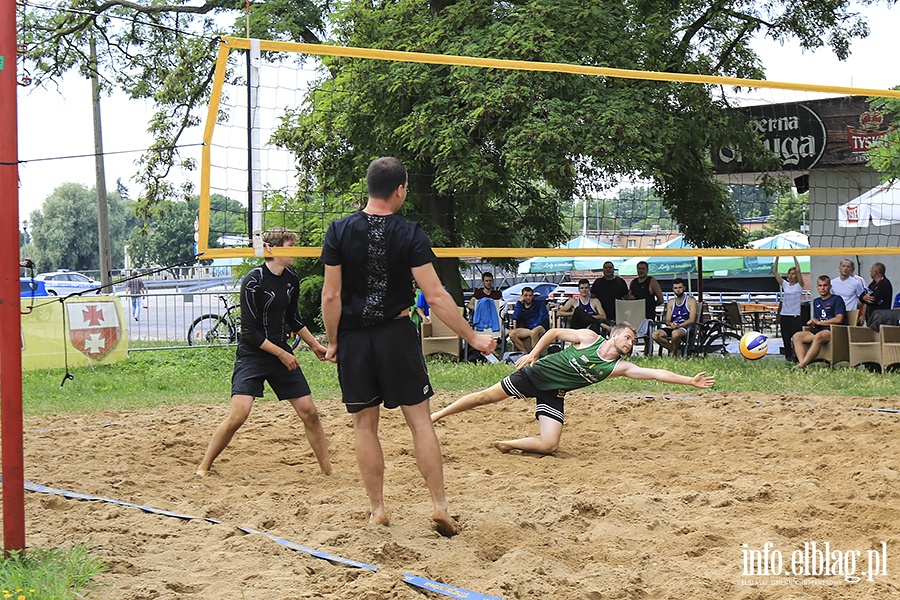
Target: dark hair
[610,263]
[879,268]
[643,262]
[385,175]
[527,289]
[487,274]
[825,278]
[583,281]
[678,280]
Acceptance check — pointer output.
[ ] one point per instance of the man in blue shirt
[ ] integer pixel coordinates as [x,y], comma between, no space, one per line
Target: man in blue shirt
[531,320]
[827,310]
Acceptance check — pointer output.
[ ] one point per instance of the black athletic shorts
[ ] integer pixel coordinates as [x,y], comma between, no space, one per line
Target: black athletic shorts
[253,366]
[549,403]
[382,364]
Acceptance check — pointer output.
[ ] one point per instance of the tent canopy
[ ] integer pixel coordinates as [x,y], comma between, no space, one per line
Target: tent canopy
[722,266]
[879,206]
[557,264]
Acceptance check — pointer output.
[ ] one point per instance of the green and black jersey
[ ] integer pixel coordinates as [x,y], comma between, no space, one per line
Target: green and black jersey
[572,368]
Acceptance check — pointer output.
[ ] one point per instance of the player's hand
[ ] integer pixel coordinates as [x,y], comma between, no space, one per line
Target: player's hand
[527,360]
[289,360]
[320,351]
[331,353]
[483,343]
[700,380]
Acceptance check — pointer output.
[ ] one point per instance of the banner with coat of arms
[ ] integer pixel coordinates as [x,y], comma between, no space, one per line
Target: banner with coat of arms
[93,325]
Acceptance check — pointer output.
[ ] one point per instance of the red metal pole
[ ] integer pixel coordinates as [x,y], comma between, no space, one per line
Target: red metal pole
[10,305]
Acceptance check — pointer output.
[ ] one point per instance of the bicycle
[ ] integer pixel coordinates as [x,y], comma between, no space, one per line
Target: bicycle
[222,330]
[712,337]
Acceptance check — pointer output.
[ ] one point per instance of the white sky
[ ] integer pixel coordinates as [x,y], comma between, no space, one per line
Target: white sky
[53,124]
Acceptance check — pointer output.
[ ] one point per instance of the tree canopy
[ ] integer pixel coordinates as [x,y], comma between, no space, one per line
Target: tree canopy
[494,154]
[64,230]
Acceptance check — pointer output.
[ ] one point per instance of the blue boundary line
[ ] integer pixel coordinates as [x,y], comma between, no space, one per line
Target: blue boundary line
[444,589]
[416,580]
[311,551]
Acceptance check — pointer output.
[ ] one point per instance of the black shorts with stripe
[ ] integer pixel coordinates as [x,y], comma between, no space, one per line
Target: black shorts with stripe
[382,365]
[549,403]
[253,366]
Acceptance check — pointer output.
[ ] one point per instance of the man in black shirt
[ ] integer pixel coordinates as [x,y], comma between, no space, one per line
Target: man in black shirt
[371,258]
[608,288]
[269,296]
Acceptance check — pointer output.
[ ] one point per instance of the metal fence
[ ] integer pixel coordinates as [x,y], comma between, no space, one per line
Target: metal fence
[168,316]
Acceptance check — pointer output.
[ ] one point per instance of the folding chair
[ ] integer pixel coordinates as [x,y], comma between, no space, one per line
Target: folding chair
[633,312]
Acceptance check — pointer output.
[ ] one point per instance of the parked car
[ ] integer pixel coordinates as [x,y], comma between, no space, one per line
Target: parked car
[65,282]
[542,290]
[32,287]
[564,291]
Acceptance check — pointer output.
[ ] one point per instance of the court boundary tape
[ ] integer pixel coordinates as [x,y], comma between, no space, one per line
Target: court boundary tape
[409,578]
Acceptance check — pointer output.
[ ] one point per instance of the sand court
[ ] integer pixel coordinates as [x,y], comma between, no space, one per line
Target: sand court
[648,497]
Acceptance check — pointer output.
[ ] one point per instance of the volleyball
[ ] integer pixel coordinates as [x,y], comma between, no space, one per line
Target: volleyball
[754,345]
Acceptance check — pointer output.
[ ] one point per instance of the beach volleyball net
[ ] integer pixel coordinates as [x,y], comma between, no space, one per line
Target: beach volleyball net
[251,180]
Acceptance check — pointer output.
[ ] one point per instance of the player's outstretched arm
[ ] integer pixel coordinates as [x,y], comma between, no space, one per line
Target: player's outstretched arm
[632,371]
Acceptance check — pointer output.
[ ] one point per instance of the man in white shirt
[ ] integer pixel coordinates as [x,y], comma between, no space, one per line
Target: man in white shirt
[848,286]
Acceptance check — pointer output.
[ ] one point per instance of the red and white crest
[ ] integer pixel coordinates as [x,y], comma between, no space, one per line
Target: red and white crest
[94,327]
[853,214]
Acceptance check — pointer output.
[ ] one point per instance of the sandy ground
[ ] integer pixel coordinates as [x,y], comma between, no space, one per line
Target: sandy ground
[648,497]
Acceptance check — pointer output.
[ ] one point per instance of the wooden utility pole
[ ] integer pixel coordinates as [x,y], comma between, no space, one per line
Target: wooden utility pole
[102,207]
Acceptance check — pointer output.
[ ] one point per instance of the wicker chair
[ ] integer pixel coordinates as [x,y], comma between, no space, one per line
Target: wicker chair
[890,346]
[865,346]
[835,351]
[437,337]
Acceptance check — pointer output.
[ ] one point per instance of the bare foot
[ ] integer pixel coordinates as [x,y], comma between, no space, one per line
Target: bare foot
[503,447]
[201,473]
[380,517]
[444,523]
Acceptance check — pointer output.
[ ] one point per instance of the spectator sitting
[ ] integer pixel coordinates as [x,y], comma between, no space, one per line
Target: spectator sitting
[680,317]
[530,321]
[584,312]
[487,291]
[827,310]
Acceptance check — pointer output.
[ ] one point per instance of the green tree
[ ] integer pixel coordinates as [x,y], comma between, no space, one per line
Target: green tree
[161,51]
[496,155]
[788,213]
[884,155]
[64,230]
[168,237]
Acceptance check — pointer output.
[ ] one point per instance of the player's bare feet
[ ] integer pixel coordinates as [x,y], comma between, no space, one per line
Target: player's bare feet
[380,517]
[503,447]
[444,523]
[201,473]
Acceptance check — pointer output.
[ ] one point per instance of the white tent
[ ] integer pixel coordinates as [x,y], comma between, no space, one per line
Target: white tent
[879,206]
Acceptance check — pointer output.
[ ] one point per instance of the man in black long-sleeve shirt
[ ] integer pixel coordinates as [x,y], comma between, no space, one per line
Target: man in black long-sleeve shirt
[269,296]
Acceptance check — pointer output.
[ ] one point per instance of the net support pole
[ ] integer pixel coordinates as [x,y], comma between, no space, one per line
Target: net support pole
[254,169]
[10,306]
